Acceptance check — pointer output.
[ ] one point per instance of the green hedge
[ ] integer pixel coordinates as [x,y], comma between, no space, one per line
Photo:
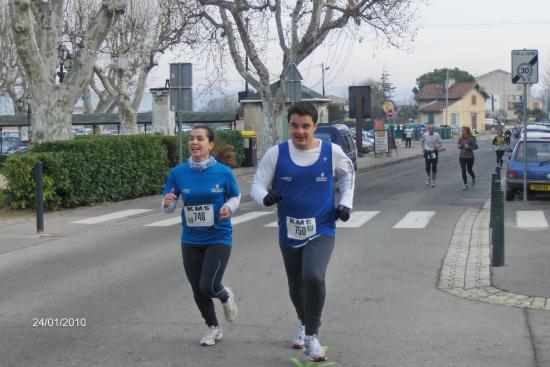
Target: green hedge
[85,171]
[95,169]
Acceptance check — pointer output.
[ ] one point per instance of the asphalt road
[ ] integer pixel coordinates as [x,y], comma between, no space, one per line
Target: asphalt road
[383,309]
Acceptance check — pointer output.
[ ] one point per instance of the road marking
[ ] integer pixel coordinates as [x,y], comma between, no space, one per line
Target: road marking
[415,220]
[248,216]
[531,219]
[165,222]
[357,219]
[112,216]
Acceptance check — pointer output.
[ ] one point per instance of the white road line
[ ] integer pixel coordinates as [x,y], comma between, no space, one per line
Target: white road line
[112,216]
[248,216]
[415,220]
[357,219]
[531,219]
[166,222]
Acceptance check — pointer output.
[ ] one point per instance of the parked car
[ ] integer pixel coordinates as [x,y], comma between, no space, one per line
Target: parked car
[538,166]
[338,134]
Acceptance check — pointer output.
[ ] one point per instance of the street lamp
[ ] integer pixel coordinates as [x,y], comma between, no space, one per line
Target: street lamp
[323,68]
[66,59]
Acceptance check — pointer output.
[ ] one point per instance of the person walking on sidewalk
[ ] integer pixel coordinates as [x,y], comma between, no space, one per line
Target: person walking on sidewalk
[210,195]
[499,142]
[408,137]
[431,145]
[467,144]
[298,175]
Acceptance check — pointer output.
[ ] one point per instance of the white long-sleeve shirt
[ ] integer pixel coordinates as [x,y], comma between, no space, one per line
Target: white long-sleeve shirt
[342,168]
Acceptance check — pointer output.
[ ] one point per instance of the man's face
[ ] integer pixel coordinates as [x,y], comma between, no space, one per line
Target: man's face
[302,130]
[431,129]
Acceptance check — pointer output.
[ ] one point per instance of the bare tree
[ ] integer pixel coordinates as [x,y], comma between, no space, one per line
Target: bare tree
[149,27]
[10,77]
[38,31]
[301,27]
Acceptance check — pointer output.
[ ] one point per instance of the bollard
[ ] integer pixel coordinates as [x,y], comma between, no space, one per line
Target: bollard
[39,197]
[498,227]
[497,170]
[491,212]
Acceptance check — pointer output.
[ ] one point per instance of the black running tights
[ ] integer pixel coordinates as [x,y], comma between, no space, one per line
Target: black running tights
[204,267]
[467,164]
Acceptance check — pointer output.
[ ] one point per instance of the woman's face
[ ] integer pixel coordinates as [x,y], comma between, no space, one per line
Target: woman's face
[199,145]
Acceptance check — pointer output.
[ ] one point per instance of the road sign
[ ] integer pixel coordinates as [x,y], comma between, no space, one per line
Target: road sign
[387,105]
[525,66]
[389,113]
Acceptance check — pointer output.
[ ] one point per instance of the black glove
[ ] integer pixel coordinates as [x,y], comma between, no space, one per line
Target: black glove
[342,213]
[271,198]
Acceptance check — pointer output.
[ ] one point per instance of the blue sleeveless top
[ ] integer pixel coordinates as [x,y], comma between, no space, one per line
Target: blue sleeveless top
[306,210]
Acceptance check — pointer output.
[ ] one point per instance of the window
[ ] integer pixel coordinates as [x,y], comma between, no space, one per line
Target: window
[454,119]
[474,100]
[431,118]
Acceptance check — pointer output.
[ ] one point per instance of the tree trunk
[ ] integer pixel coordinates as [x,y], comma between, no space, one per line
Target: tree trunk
[272,124]
[128,118]
[47,108]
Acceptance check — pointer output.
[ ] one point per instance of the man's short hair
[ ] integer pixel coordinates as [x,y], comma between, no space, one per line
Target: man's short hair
[303,109]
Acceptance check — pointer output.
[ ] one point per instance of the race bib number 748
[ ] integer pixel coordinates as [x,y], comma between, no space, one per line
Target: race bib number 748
[199,215]
[300,229]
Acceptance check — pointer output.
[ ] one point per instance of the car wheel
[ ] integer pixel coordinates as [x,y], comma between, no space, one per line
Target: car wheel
[510,194]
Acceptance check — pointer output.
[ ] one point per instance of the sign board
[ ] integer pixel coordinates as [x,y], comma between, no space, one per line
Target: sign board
[387,105]
[389,113]
[364,93]
[181,87]
[380,140]
[525,66]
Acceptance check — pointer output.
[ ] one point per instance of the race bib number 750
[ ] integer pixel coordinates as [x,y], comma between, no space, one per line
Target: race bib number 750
[199,215]
[300,229]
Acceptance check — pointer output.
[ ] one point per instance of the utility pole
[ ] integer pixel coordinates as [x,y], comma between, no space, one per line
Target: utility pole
[246,64]
[446,96]
[323,75]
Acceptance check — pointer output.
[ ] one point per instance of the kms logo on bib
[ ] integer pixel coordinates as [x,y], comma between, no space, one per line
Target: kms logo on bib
[308,223]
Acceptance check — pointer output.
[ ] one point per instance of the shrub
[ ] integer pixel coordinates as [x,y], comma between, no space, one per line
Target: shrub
[86,171]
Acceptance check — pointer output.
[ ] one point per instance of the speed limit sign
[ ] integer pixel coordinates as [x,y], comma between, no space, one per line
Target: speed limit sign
[525,66]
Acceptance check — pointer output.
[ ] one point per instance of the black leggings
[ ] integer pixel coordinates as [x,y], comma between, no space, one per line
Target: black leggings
[467,163]
[306,267]
[204,267]
[500,153]
[431,164]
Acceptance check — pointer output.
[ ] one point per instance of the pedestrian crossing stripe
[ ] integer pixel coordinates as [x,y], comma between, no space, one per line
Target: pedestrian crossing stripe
[415,220]
[112,216]
[357,219]
[531,219]
[165,223]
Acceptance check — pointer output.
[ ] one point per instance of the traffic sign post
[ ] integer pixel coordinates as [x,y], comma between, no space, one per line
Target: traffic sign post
[389,114]
[525,70]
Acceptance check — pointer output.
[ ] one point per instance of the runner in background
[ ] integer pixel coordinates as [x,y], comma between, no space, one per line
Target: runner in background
[499,142]
[431,145]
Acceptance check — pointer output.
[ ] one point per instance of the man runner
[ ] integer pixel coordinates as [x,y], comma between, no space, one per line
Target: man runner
[431,145]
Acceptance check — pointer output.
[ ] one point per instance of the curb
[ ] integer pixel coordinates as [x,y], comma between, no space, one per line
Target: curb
[466,270]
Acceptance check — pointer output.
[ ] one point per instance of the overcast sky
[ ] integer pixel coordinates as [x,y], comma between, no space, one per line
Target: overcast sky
[474,35]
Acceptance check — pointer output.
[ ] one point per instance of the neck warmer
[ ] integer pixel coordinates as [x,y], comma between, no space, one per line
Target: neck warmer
[201,166]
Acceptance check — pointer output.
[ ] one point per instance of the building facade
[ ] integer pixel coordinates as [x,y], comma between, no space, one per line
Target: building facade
[463,105]
[505,98]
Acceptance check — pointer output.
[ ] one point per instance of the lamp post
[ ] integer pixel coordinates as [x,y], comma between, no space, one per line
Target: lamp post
[66,59]
[20,105]
[323,68]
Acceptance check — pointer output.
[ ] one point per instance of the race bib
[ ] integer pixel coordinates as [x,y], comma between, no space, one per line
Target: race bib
[199,215]
[300,229]
[431,154]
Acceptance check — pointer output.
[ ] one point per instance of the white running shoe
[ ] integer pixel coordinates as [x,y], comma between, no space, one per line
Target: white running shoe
[313,349]
[465,187]
[427,181]
[433,183]
[299,336]
[230,309]
[213,334]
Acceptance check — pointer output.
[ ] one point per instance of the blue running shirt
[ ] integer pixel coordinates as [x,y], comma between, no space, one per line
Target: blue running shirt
[307,206]
[203,193]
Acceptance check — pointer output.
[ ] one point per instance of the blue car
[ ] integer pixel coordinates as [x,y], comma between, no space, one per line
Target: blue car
[338,134]
[538,167]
